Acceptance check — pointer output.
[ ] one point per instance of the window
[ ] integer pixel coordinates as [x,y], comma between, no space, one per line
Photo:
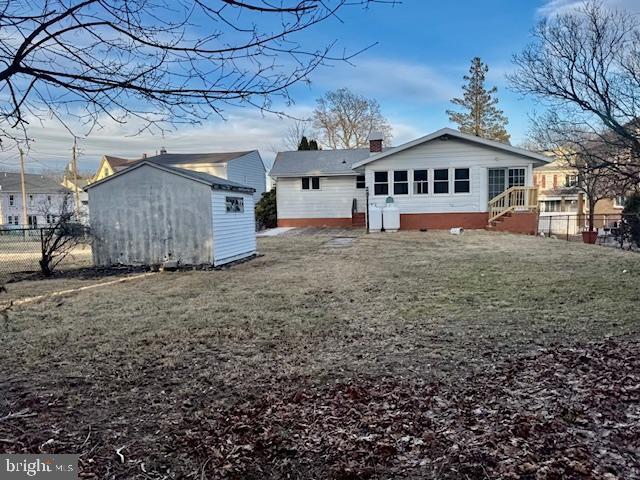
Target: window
[381,183]
[9,220]
[311,183]
[552,206]
[516,177]
[571,180]
[50,219]
[235,204]
[461,183]
[16,220]
[31,200]
[11,200]
[400,182]
[33,220]
[420,182]
[619,201]
[49,198]
[441,180]
[360,183]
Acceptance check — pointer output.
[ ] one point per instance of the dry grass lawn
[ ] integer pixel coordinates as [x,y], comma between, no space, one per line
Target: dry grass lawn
[131,365]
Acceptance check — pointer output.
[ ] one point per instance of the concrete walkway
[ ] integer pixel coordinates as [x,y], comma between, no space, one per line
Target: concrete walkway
[274,232]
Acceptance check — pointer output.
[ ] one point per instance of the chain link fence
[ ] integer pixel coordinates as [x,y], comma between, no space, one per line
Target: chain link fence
[613,230]
[21,251]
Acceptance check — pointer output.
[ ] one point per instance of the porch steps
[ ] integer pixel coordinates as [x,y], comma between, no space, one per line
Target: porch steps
[515,222]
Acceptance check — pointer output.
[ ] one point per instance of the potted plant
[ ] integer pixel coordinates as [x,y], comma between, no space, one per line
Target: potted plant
[589,236]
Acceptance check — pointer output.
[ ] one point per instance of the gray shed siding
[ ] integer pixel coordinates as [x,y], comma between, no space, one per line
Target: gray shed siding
[147,216]
[248,170]
[234,234]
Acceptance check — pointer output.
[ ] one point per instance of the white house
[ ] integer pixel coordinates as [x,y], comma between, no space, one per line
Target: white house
[245,167]
[442,180]
[44,197]
[149,213]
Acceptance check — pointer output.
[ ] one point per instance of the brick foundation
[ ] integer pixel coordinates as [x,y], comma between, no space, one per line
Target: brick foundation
[443,221]
[518,222]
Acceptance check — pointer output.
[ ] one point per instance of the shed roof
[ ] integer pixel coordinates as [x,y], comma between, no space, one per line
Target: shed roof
[34,183]
[317,162]
[195,158]
[201,177]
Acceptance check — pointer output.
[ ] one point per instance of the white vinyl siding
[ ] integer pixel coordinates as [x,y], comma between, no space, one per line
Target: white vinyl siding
[234,233]
[448,154]
[248,170]
[333,200]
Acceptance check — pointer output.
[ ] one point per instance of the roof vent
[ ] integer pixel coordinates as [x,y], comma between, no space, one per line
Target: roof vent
[163,150]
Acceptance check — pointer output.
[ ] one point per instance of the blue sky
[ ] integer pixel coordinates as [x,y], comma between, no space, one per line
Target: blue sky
[423,49]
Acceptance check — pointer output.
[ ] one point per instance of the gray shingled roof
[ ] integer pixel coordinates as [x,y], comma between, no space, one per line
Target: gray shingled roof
[211,180]
[34,183]
[193,158]
[317,162]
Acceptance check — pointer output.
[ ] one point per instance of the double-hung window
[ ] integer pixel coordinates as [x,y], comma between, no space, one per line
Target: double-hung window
[441,180]
[381,183]
[461,181]
[516,177]
[11,200]
[311,183]
[420,182]
[400,182]
[360,183]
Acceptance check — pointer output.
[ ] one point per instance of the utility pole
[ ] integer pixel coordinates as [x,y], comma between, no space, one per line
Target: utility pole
[74,166]
[25,218]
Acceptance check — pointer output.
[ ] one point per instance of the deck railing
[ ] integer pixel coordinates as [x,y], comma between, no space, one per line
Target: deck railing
[513,199]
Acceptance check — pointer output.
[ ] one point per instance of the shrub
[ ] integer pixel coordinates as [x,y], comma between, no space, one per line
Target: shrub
[631,220]
[266,210]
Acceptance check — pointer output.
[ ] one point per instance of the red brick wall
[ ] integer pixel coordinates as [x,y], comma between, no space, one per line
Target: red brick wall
[443,221]
[519,222]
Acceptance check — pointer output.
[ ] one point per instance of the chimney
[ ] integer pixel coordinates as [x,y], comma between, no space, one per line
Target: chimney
[375,142]
[144,155]
[163,150]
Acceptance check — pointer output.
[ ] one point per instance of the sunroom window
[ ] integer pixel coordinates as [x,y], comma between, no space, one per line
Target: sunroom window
[381,183]
[441,180]
[461,181]
[420,182]
[400,182]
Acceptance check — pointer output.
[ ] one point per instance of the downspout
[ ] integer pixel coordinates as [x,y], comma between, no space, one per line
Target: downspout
[366,192]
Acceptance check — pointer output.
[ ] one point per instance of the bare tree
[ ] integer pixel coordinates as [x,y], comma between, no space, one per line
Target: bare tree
[161,61]
[295,132]
[344,120]
[584,65]
[62,236]
[597,179]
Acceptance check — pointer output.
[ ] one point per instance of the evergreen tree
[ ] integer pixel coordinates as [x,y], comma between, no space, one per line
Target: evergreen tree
[481,117]
[304,144]
[313,145]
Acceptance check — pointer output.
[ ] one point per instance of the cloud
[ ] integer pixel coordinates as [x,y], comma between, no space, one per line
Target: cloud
[555,7]
[242,129]
[390,80]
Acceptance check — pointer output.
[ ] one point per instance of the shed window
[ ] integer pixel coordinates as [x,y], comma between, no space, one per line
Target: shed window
[420,182]
[11,201]
[461,183]
[360,183]
[441,180]
[235,204]
[381,183]
[400,182]
[311,183]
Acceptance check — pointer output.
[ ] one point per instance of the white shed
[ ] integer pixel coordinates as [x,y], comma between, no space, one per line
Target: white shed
[148,214]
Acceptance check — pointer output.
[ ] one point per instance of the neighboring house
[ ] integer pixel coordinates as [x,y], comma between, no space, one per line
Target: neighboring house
[76,186]
[44,196]
[110,165]
[563,206]
[245,168]
[150,213]
[442,180]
